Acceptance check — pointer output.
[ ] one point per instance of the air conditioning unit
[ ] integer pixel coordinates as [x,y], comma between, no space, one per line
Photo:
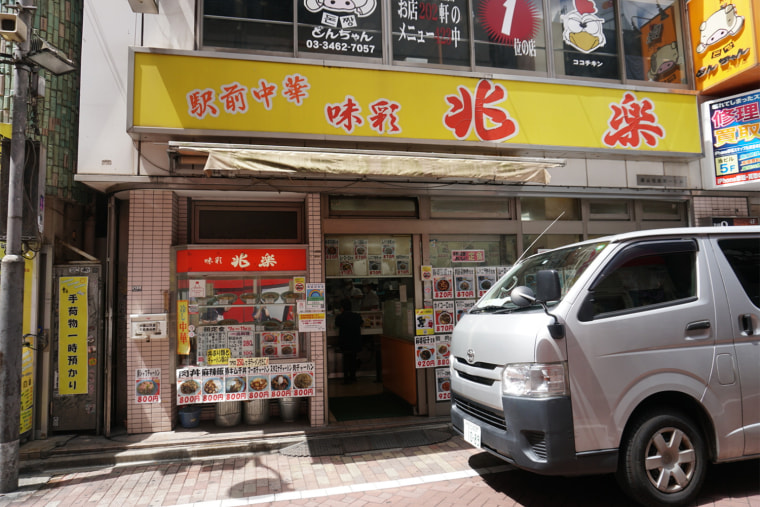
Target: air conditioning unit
[149,326]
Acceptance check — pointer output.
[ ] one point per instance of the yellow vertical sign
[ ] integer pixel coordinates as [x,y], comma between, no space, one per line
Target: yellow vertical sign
[72,335]
[183,328]
[27,352]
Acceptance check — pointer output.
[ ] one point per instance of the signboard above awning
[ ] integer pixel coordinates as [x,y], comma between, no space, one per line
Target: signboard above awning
[222,159]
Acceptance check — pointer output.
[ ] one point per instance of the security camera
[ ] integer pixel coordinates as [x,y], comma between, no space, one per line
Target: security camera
[12,28]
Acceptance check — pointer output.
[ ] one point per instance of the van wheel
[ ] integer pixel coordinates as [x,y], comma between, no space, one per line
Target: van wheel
[663,460]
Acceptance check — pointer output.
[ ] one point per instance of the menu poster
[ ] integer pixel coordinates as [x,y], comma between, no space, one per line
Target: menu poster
[501,271]
[212,384]
[426,273]
[389,249]
[464,280]
[303,379]
[189,386]
[431,32]
[424,321]
[281,380]
[403,265]
[443,283]
[148,385]
[442,349]
[346,265]
[235,384]
[375,264]
[241,341]
[424,351]
[331,249]
[209,385]
[443,384]
[360,249]
[444,316]
[486,278]
[463,306]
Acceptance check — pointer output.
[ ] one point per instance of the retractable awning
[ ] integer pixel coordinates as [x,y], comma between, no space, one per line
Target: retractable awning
[312,162]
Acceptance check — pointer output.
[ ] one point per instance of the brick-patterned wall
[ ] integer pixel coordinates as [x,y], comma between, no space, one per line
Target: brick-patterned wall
[318,352]
[151,230]
[720,207]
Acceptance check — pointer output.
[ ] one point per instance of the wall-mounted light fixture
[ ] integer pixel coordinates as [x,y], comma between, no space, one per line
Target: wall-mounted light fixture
[144,6]
[49,57]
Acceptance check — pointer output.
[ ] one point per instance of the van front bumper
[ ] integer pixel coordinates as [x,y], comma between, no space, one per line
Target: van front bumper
[537,435]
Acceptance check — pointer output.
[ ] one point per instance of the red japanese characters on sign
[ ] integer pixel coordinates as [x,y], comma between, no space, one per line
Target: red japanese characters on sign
[241,259]
[479,112]
[344,115]
[468,256]
[632,122]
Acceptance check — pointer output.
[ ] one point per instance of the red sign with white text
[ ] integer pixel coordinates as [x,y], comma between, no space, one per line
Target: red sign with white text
[241,259]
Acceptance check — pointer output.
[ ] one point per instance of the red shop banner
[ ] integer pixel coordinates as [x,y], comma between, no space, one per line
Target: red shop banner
[241,259]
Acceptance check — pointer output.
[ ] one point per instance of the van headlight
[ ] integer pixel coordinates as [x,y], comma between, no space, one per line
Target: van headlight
[535,380]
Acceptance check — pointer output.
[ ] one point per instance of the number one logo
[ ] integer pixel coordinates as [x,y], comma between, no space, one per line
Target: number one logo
[509,14]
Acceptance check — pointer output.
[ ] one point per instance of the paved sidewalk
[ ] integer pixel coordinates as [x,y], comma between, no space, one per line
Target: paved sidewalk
[447,473]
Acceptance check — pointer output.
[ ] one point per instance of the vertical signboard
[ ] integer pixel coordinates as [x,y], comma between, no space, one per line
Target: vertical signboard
[75,347]
[723,39]
[72,335]
[734,125]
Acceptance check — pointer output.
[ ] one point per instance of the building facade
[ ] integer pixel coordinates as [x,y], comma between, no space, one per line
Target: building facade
[264,161]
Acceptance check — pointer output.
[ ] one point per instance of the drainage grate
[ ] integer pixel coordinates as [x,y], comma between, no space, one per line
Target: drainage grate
[338,445]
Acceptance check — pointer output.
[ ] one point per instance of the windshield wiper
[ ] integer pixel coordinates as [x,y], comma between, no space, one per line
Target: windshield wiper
[491,309]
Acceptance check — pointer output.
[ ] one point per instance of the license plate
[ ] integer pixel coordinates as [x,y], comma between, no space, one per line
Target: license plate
[472,433]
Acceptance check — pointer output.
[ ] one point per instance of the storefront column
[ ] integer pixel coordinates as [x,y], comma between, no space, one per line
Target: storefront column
[318,341]
[151,231]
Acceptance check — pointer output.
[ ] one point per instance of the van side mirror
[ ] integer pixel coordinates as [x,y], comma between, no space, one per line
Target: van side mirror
[547,285]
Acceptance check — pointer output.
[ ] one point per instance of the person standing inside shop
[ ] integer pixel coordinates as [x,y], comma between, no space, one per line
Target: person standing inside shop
[349,324]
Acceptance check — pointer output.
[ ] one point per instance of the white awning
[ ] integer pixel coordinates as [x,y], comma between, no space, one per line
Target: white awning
[307,162]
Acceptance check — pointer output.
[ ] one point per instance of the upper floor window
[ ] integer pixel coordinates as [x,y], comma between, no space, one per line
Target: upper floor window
[616,40]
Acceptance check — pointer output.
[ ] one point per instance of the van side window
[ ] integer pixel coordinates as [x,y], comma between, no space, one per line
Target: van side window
[643,278]
[743,254]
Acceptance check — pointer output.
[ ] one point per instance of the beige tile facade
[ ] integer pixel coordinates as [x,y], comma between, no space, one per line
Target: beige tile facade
[158,221]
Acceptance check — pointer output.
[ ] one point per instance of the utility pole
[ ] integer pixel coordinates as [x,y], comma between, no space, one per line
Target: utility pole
[12,276]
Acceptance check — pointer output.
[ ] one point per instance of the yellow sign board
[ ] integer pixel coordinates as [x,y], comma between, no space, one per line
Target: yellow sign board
[220,95]
[723,37]
[72,335]
[183,328]
[218,357]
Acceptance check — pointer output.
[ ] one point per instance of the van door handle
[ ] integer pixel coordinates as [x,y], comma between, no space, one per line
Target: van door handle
[746,324]
[700,324]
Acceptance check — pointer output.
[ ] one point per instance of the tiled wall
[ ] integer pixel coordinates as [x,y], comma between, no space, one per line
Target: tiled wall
[151,232]
[317,408]
[157,221]
[720,207]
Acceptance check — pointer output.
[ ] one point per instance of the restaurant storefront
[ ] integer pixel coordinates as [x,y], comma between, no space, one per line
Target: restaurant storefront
[407,174]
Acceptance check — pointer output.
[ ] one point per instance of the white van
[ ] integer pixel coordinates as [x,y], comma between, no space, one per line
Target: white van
[637,354]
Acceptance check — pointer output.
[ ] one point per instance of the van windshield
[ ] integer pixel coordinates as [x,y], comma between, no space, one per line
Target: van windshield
[570,262]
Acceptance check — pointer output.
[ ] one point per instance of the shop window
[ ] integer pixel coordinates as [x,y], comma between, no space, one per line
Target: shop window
[584,39]
[609,210]
[431,32]
[349,256]
[510,35]
[472,251]
[582,35]
[257,25]
[662,210]
[246,223]
[467,207]
[533,243]
[343,206]
[653,45]
[550,208]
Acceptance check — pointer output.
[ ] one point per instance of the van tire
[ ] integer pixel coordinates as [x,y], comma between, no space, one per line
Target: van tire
[684,467]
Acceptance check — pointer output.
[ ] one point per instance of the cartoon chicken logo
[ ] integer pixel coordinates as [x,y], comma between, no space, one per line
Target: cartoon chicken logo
[583,29]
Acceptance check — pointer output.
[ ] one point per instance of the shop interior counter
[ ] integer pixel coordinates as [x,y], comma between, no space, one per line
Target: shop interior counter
[398,369]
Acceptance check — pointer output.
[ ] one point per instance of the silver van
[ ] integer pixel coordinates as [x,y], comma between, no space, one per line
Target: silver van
[637,354]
